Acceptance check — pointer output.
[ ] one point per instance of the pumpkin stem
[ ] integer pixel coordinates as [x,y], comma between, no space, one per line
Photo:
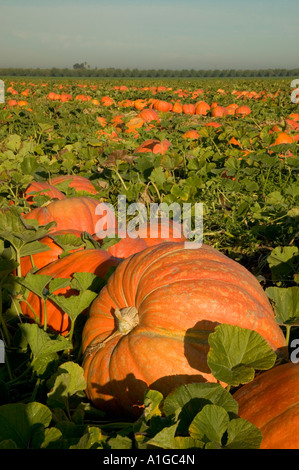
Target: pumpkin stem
[126,319]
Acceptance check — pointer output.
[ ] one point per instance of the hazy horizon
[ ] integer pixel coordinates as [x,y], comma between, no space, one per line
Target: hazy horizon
[199,35]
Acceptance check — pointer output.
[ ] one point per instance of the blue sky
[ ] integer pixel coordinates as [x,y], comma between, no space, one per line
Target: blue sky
[169,34]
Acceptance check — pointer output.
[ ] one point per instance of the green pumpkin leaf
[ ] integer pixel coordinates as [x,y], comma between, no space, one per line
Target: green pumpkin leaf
[40,342]
[68,241]
[36,283]
[164,438]
[33,248]
[187,442]
[283,262]
[152,402]
[87,281]
[67,381]
[120,442]
[286,303]
[75,304]
[194,394]
[236,352]
[210,423]
[19,422]
[241,434]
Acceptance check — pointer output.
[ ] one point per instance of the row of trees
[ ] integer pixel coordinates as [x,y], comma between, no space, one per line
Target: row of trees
[82,70]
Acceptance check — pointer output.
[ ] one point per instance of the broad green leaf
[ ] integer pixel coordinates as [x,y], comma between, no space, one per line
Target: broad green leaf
[158,177]
[7,266]
[36,283]
[93,438]
[197,393]
[120,442]
[87,281]
[19,422]
[29,165]
[68,241]
[75,304]
[282,261]
[13,142]
[211,423]
[58,283]
[164,438]
[152,402]
[241,434]
[32,248]
[68,380]
[187,442]
[40,342]
[236,352]
[286,303]
[46,438]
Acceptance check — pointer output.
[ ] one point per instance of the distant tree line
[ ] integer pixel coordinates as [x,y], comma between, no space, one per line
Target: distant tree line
[84,70]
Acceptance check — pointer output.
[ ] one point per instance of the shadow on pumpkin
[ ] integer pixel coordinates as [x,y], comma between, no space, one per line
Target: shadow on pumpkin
[127,395]
[196,345]
[122,394]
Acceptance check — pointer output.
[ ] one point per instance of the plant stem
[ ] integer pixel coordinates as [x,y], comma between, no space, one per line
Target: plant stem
[45,310]
[122,181]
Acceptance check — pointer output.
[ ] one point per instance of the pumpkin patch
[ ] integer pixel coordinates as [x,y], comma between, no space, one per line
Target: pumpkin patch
[149,339]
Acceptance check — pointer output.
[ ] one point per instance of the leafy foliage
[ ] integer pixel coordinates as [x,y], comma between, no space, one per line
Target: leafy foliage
[249,190]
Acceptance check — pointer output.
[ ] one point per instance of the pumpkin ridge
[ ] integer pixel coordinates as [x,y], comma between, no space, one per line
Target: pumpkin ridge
[154,260]
[171,283]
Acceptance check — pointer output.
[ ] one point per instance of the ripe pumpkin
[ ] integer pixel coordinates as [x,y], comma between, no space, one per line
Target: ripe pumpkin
[191,134]
[219,111]
[92,261]
[76,213]
[46,257]
[163,106]
[177,108]
[154,146]
[188,108]
[159,231]
[283,138]
[148,115]
[80,183]
[202,108]
[126,247]
[149,326]
[42,188]
[271,402]
[243,110]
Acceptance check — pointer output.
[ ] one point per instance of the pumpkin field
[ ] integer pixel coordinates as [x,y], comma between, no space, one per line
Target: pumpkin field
[114,342]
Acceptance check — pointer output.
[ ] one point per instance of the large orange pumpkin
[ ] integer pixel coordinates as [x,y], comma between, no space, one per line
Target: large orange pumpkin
[76,213]
[158,231]
[202,107]
[271,402]
[149,326]
[42,188]
[126,247]
[91,261]
[80,183]
[149,115]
